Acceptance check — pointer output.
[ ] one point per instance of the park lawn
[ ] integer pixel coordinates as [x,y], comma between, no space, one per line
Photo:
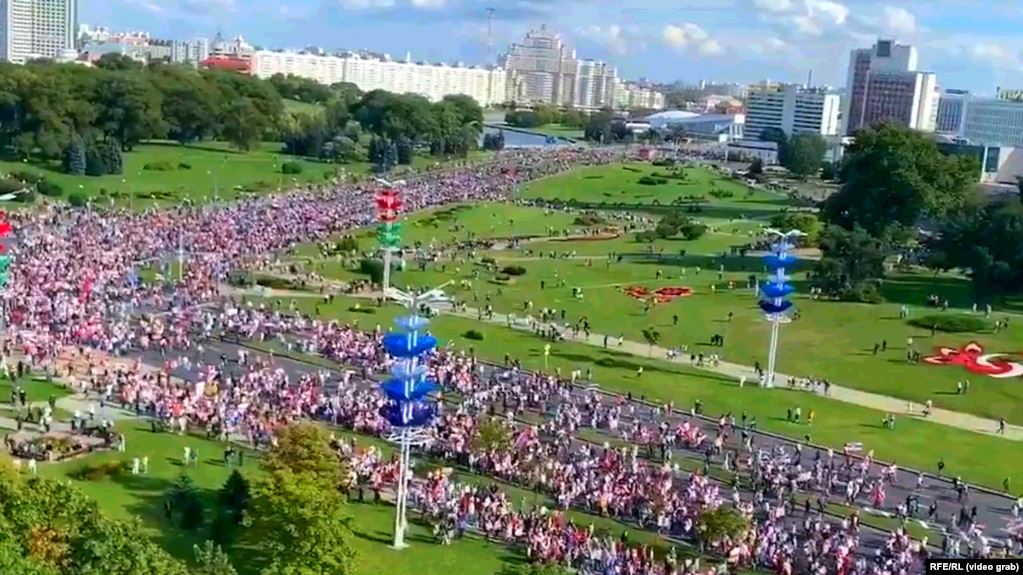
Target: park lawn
[619,184]
[461,222]
[299,107]
[560,131]
[142,496]
[216,171]
[35,389]
[832,340]
[916,443]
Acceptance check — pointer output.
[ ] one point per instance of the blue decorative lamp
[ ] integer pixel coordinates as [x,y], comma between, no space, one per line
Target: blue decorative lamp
[776,290]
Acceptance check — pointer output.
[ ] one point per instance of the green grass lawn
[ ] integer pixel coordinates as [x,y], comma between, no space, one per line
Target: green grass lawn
[35,389]
[198,173]
[125,496]
[832,340]
[915,443]
[299,107]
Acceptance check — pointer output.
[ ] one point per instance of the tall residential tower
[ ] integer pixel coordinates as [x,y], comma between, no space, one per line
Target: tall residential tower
[37,29]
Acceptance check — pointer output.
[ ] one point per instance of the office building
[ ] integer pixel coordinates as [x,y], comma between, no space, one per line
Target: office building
[792,109]
[488,86]
[884,86]
[594,84]
[31,29]
[993,122]
[951,111]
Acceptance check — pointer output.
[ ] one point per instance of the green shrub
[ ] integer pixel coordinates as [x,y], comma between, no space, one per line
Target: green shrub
[951,323]
[184,166]
[589,219]
[11,185]
[348,244]
[652,181]
[48,188]
[78,199]
[721,194]
[159,167]
[514,270]
[473,335]
[374,268]
[647,236]
[276,283]
[488,260]
[692,230]
[99,471]
[866,292]
[664,162]
[291,168]
[360,309]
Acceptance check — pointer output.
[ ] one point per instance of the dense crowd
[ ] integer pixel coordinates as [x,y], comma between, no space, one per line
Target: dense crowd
[75,285]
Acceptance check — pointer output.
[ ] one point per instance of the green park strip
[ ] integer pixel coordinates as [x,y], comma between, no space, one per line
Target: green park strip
[124,496]
[914,443]
[830,339]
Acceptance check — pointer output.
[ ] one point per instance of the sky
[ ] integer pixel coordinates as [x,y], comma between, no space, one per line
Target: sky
[969,44]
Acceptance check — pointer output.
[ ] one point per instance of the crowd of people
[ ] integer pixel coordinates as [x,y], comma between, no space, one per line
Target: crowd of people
[75,287]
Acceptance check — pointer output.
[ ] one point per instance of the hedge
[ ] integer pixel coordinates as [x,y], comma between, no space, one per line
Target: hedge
[473,335]
[514,270]
[951,323]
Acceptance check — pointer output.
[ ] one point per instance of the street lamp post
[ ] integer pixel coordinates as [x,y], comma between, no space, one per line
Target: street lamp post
[776,289]
[409,409]
[389,231]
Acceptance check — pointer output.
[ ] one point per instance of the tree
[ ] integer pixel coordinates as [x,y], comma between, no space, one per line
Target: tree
[804,153]
[756,167]
[304,448]
[242,123]
[985,240]
[720,524]
[113,160]
[652,336]
[806,222]
[74,157]
[403,147]
[95,161]
[300,524]
[232,503]
[210,559]
[777,136]
[491,435]
[129,108]
[848,260]
[892,176]
[184,498]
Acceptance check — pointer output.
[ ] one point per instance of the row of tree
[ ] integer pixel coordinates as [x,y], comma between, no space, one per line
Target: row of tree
[801,154]
[899,195]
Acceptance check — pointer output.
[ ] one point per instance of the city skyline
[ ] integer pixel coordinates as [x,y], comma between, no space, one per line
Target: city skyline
[724,40]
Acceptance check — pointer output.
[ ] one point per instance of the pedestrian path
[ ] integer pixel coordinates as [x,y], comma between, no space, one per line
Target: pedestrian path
[736,371]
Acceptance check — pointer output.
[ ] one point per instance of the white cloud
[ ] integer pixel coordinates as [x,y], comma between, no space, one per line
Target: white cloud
[428,4]
[899,20]
[770,45]
[832,12]
[366,4]
[774,6]
[688,36]
[616,38]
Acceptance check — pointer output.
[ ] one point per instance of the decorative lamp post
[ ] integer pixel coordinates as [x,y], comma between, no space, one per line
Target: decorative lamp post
[409,410]
[5,261]
[775,290]
[389,230]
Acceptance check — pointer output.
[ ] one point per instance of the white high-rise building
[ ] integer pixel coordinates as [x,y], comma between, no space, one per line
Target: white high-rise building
[488,86]
[594,84]
[190,52]
[884,86]
[793,109]
[545,69]
[37,29]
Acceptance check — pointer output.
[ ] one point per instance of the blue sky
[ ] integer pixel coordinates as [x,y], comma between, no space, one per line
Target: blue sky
[970,44]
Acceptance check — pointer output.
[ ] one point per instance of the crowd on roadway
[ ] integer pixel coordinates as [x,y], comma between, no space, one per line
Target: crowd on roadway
[75,286]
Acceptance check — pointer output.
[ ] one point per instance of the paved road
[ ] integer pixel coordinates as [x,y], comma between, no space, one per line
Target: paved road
[993,510]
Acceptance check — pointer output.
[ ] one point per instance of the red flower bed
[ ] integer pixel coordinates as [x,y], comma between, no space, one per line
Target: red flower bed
[660,295]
